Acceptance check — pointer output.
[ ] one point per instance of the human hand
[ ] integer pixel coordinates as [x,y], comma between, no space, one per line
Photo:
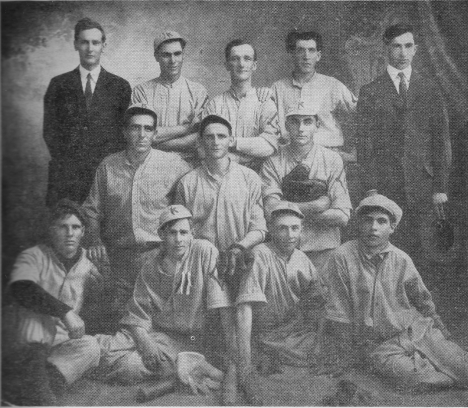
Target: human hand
[74,324]
[263,94]
[195,371]
[151,356]
[438,200]
[97,254]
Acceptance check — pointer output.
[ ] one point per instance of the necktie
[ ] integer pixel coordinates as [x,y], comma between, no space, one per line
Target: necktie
[402,88]
[88,92]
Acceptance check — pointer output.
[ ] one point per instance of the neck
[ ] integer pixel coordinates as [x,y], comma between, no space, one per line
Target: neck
[218,166]
[241,87]
[90,67]
[69,255]
[169,78]
[136,158]
[374,250]
[284,254]
[299,150]
[303,77]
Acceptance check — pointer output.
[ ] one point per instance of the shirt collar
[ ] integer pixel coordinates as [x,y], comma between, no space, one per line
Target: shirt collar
[382,254]
[170,84]
[214,176]
[251,91]
[308,157]
[94,73]
[299,84]
[393,72]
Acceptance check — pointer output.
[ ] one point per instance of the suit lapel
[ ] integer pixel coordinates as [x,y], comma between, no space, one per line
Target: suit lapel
[390,90]
[414,87]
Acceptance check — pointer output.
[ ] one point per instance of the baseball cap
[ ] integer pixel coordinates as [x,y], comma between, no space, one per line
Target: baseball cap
[303,109]
[374,199]
[168,36]
[287,206]
[140,108]
[173,212]
[208,120]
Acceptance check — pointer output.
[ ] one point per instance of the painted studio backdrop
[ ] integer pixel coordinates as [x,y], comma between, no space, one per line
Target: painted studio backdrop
[37,44]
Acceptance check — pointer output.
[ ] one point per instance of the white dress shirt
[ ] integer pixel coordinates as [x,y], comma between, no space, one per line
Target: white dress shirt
[393,72]
[94,77]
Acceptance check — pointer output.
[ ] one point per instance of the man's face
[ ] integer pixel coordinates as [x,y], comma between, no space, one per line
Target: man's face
[90,47]
[401,51]
[375,229]
[216,140]
[177,238]
[139,133]
[170,56]
[66,235]
[301,129]
[241,62]
[306,56]
[286,232]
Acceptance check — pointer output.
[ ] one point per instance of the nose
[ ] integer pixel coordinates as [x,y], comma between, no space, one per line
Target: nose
[69,231]
[374,225]
[178,237]
[302,126]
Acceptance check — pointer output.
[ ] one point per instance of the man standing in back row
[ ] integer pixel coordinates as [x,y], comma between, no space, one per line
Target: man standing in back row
[177,101]
[325,94]
[83,111]
[404,143]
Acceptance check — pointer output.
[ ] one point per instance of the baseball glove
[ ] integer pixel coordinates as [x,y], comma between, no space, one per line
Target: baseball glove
[298,188]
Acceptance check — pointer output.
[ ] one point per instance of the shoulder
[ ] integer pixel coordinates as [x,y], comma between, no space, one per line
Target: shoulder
[147,84]
[194,86]
[248,174]
[204,246]
[330,156]
[114,159]
[190,177]
[346,250]
[64,80]
[65,76]
[282,83]
[115,78]
[261,251]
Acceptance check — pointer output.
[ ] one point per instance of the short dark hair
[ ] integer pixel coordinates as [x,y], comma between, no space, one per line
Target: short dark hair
[208,120]
[88,24]
[371,208]
[294,36]
[66,207]
[139,111]
[395,31]
[182,42]
[235,43]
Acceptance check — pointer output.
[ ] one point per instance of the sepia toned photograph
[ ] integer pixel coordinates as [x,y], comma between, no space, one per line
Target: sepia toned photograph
[244,203]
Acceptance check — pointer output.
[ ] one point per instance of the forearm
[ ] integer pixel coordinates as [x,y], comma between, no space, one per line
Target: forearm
[166,133]
[332,217]
[31,296]
[254,146]
[252,238]
[180,144]
[141,337]
[313,208]
[244,328]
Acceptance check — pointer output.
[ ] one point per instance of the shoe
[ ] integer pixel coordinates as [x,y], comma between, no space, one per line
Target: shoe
[249,382]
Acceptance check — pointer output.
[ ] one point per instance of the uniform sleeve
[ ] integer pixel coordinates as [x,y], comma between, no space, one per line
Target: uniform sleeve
[253,282]
[338,307]
[200,103]
[181,168]
[314,298]
[210,109]
[139,95]
[27,267]
[257,218]
[140,308]
[216,295]
[338,187]
[93,206]
[365,120]
[271,180]
[345,100]
[180,197]
[269,126]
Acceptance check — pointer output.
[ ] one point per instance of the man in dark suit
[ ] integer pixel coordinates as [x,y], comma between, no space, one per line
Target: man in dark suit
[83,111]
[404,143]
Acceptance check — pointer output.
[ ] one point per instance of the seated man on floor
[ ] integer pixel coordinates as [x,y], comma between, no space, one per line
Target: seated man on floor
[48,348]
[165,315]
[380,313]
[280,301]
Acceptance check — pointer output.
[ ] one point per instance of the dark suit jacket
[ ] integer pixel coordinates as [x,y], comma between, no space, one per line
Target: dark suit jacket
[77,140]
[404,148]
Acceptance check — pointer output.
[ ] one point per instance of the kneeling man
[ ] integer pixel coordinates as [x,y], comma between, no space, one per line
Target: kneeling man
[48,348]
[280,299]
[381,311]
[165,315]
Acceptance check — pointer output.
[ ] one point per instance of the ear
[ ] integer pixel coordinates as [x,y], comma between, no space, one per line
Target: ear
[226,65]
[153,139]
[104,45]
[156,56]
[254,66]
[415,48]
[319,55]
[393,227]
[75,44]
